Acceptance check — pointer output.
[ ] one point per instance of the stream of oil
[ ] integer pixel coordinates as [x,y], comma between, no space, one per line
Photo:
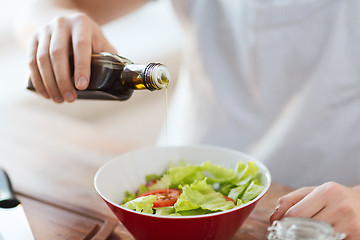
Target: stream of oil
[167,133]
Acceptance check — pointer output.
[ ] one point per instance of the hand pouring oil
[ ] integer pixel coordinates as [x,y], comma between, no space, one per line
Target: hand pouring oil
[115,78]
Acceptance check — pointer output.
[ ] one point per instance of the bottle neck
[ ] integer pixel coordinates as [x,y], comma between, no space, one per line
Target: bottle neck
[154,76]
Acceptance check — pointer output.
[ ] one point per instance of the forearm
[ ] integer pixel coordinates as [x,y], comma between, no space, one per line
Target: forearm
[36,13]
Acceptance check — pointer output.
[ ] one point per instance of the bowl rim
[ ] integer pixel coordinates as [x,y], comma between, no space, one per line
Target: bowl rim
[197,146]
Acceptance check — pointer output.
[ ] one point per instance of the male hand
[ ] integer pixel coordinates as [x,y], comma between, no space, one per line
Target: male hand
[48,55]
[331,202]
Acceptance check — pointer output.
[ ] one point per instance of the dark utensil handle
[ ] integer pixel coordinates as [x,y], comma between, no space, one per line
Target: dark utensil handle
[7,195]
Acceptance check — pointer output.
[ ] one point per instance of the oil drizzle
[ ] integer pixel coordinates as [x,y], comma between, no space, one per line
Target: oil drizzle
[166,117]
[166,133]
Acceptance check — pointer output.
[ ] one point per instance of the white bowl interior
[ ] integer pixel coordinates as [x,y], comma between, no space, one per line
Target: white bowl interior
[126,172]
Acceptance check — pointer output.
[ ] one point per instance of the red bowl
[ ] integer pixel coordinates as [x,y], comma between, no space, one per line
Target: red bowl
[126,172]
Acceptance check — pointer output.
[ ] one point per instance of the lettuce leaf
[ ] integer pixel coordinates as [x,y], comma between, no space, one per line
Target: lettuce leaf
[198,211]
[201,195]
[163,183]
[152,177]
[165,211]
[236,192]
[218,174]
[185,175]
[203,188]
[142,189]
[251,192]
[129,196]
[245,174]
[142,204]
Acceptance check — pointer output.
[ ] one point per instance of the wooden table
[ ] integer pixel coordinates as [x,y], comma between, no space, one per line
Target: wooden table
[52,160]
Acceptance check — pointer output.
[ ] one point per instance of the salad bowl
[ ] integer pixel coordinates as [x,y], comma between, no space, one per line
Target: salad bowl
[127,172]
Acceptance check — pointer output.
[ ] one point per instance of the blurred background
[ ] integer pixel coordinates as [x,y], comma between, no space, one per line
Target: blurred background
[151,34]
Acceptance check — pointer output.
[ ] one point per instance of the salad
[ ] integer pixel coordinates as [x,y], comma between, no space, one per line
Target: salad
[186,189]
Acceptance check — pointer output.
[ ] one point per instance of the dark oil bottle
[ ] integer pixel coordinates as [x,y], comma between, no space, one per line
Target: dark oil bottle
[115,78]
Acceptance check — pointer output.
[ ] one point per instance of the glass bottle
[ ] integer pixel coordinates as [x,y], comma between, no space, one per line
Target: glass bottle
[115,78]
[293,228]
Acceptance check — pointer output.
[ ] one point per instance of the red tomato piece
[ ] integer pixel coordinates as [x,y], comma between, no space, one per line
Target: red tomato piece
[229,199]
[148,184]
[164,197]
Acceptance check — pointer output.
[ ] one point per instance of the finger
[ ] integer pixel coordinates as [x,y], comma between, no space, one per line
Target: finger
[101,44]
[309,205]
[109,48]
[287,201]
[59,54]
[103,47]
[45,68]
[81,41]
[324,198]
[34,71]
[327,215]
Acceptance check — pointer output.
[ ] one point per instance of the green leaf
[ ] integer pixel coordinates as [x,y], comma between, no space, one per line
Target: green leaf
[240,166]
[239,202]
[129,196]
[152,177]
[142,189]
[164,211]
[163,183]
[198,211]
[142,204]
[203,188]
[225,188]
[217,174]
[237,192]
[201,195]
[183,204]
[250,171]
[185,175]
[251,192]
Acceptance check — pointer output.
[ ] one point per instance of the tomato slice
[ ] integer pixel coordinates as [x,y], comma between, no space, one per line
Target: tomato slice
[229,199]
[164,197]
[152,182]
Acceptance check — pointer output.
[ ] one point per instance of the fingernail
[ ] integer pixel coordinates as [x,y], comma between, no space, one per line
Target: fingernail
[69,96]
[277,208]
[58,99]
[82,82]
[45,94]
[275,211]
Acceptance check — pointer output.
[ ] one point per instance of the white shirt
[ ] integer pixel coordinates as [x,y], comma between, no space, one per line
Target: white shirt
[279,80]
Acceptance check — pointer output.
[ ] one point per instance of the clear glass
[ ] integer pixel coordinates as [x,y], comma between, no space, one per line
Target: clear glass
[302,229]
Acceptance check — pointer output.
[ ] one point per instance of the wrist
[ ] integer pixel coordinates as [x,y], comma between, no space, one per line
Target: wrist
[356,187]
